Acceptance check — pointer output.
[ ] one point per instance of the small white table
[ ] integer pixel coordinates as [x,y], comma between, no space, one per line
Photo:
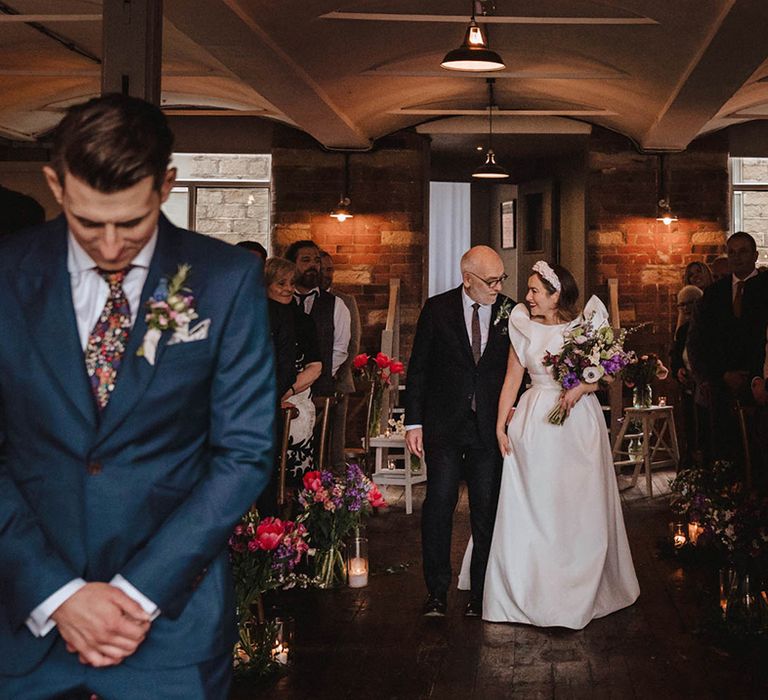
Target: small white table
[659,437]
[392,466]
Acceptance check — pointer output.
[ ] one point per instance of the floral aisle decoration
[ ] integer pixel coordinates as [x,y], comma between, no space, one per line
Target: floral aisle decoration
[265,554]
[732,523]
[639,375]
[334,507]
[377,370]
[590,353]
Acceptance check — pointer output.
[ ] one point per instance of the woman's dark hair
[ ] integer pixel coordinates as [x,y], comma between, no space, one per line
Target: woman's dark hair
[112,142]
[569,292]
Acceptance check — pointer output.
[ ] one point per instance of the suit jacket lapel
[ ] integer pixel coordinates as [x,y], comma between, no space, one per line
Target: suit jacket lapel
[135,372]
[45,292]
[458,323]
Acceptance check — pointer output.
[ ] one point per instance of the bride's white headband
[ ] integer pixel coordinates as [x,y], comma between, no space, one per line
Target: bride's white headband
[542,268]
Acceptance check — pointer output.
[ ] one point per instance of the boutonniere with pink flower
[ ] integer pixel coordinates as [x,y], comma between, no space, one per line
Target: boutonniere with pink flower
[170,308]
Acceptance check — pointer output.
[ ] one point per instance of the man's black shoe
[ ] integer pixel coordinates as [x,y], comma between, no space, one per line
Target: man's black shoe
[474,608]
[435,606]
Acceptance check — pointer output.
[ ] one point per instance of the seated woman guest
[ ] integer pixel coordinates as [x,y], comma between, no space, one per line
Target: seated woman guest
[681,368]
[279,276]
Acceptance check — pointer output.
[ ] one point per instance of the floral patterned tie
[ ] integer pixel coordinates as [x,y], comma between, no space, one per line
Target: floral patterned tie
[108,339]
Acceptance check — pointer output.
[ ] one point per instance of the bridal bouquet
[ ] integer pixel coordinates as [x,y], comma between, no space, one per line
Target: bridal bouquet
[590,353]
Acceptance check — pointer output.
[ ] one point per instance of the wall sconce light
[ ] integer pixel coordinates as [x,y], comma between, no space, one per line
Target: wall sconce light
[663,207]
[473,55]
[341,212]
[490,170]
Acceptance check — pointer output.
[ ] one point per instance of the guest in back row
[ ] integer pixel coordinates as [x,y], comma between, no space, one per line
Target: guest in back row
[722,343]
[330,314]
[302,355]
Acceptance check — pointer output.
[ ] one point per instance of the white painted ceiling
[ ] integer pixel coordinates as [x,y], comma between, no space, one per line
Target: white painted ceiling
[659,71]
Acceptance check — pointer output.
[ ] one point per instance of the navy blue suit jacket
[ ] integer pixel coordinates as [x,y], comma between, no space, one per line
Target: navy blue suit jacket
[180,452]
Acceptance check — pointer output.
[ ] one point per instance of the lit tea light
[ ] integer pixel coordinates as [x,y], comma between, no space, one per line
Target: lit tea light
[357,562]
[694,532]
[281,645]
[358,572]
[662,400]
[679,538]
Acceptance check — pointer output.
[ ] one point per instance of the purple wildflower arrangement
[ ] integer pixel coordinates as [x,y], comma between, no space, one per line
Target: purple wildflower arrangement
[334,505]
[590,353]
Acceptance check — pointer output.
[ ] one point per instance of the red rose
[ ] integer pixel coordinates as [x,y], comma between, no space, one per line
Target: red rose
[312,481]
[396,366]
[360,361]
[375,498]
[382,360]
[270,533]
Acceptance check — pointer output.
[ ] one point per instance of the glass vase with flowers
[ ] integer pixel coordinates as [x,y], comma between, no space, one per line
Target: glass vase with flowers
[334,506]
[378,371]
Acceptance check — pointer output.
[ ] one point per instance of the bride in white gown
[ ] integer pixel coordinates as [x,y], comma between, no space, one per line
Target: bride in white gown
[559,555]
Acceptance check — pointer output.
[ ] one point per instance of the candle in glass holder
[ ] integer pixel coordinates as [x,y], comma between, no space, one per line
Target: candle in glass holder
[281,645]
[662,400]
[694,532]
[357,562]
[358,572]
[679,538]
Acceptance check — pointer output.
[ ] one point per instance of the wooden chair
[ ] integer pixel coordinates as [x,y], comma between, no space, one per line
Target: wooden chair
[289,413]
[324,405]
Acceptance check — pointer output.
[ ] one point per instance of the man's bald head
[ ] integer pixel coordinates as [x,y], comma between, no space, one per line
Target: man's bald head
[479,264]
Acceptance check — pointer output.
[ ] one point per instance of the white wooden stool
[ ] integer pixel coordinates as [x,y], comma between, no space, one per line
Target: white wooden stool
[659,437]
[387,469]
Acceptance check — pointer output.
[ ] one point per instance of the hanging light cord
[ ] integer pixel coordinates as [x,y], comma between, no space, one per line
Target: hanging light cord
[491,81]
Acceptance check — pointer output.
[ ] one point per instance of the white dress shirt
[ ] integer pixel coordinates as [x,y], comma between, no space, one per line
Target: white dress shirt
[342,328]
[735,282]
[89,294]
[484,312]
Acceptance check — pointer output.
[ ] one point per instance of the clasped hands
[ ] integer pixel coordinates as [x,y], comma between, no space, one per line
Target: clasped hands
[101,624]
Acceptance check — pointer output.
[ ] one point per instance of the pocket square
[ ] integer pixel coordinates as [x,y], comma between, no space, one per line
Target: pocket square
[186,334]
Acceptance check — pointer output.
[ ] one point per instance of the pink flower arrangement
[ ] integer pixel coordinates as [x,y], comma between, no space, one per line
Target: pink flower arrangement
[264,553]
[335,504]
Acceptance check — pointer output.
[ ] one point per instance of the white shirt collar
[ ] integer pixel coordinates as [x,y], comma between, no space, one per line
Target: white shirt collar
[468,301]
[735,280]
[79,261]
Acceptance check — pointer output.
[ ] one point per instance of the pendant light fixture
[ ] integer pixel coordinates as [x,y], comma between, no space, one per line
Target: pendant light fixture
[490,170]
[473,55]
[341,212]
[663,208]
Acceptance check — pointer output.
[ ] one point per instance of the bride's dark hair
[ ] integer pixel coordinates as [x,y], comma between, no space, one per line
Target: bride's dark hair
[569,292]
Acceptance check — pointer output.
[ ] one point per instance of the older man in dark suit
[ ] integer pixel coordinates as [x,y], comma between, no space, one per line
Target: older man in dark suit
[455,374]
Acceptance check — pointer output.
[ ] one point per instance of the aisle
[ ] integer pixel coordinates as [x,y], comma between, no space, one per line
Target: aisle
[373,643]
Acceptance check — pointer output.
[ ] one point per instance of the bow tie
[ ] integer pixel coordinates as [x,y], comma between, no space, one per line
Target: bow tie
[301,298]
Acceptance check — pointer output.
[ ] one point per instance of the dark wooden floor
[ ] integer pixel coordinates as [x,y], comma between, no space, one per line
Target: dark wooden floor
[373,643]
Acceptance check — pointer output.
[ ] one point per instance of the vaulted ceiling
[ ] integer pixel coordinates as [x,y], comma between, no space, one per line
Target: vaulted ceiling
[661,72]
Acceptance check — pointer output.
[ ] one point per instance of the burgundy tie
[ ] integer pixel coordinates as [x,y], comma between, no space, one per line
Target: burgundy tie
[108,339]
[738,299]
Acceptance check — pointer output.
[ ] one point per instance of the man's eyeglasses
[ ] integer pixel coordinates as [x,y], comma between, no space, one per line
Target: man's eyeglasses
[493,281]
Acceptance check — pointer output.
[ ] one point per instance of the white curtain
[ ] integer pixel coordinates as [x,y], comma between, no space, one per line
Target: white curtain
[449,233]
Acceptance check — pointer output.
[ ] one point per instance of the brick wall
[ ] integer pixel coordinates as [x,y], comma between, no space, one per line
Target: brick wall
[387,237]
[626,242]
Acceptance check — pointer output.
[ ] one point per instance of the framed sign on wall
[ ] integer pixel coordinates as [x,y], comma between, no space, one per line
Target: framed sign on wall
[508,223]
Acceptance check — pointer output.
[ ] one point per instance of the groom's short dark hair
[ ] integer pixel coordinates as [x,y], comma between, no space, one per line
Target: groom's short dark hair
[112,142]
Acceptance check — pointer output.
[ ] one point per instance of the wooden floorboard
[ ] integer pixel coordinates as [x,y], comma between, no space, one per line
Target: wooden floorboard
[373,642]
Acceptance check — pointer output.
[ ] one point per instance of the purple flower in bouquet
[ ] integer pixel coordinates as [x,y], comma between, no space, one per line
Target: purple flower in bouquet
[590,354]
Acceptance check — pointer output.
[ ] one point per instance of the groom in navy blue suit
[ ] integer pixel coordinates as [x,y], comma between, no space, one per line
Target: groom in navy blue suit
[129,446]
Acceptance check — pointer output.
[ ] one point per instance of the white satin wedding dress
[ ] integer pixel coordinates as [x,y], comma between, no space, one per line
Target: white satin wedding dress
[559,555]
